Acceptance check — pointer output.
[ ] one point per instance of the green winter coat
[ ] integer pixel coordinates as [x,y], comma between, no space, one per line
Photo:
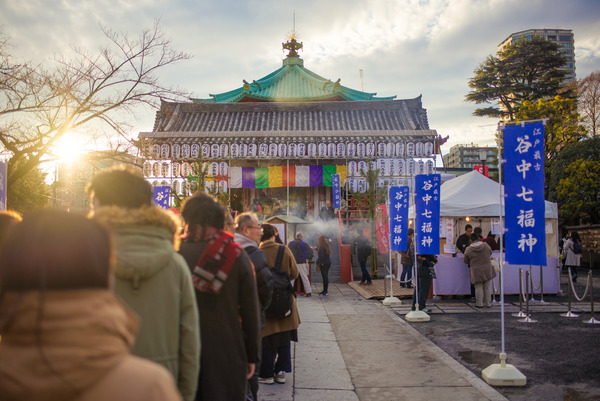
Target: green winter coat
[156,283]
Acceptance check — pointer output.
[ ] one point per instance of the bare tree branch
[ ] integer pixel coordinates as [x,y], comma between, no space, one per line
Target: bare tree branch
[40,104]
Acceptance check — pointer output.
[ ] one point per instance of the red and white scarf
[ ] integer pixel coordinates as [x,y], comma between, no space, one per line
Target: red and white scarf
[215,263]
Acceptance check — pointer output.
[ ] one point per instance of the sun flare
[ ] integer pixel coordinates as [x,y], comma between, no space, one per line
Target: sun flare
[68,149]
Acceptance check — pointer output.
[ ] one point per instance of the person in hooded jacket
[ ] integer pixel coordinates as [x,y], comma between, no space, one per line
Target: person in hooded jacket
[478,257]
[150,276]
[65,335]
[227,301]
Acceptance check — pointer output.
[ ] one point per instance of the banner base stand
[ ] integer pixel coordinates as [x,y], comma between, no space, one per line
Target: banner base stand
[391,301]
[592,321]
[503,374]
[569,314]
[417,316]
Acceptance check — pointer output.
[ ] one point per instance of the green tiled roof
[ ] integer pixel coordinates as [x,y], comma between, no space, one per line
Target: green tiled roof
[291,83]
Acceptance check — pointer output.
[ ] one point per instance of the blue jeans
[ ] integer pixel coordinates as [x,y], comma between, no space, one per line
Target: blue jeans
[406,275]
[268,365]
[366,277]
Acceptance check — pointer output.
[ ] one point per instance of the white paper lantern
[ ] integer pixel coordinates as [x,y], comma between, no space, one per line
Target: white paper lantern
[360,149]
[292,150]
[352,168]
[282,150]
[224,150]
[322,149]
[164,169]
[389,149]
[205,150]
[165,151]
[370,149]
[185,169]
[272,150]
[223,169]
[362,167]
[213,170]
[351,149]
[214,150]
[235,150]
[156,169]
[402,167]
[428,148]
[195,151]
[185,151]
[430,167]
[176,169]
[331,149]
[420,149]
[176,151]
[400,149]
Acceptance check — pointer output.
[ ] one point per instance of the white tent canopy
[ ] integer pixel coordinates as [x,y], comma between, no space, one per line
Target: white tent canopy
[473,194]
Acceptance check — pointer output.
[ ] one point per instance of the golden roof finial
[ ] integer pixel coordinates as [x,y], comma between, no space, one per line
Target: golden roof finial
[292,41]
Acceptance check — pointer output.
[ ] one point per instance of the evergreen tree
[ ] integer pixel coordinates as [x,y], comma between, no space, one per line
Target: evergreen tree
[526,70]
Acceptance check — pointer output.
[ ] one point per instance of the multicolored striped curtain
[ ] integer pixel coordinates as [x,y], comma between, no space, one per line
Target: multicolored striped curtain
[278,176]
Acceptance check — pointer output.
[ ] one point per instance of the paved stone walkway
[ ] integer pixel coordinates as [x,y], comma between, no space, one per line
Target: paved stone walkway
[353,349]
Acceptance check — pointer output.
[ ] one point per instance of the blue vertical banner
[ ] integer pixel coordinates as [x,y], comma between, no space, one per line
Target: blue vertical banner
[524,190]
[2,185]
[399,218]
[161,196]
[335,186]
[427,214]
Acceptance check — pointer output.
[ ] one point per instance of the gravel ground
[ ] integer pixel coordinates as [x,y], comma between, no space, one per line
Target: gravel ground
[560,357]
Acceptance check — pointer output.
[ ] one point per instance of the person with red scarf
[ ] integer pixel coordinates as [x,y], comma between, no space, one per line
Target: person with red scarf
[227,301]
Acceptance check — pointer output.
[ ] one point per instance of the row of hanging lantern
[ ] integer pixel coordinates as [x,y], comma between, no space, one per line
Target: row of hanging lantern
[293,149]
[387,168]
[183,186]
[222,186]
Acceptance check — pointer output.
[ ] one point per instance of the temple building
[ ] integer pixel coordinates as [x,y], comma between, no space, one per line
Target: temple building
[280,138]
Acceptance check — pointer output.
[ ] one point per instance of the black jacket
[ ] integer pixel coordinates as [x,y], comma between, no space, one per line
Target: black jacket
[323,258]
[301,251]
[264,279]
[363,248]
[462,243]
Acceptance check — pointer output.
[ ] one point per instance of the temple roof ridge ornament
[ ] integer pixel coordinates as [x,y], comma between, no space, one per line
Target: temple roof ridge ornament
[292,45]
[291,83]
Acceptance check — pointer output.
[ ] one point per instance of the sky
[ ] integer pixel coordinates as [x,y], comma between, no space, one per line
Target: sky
[405,48]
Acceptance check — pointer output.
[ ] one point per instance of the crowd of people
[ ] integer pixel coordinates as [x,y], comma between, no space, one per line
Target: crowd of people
[132,302]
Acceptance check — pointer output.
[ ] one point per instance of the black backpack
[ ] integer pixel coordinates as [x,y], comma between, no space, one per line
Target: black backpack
[281,300]
[577,249]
